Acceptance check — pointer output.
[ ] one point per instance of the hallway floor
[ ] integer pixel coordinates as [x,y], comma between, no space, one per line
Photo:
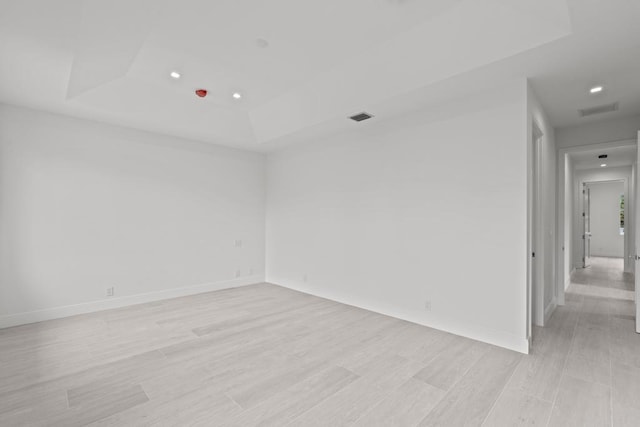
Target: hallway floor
[604,273]
[587,360]
[604,277]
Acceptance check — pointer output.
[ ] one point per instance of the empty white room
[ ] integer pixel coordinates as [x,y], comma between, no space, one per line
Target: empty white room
[319,213]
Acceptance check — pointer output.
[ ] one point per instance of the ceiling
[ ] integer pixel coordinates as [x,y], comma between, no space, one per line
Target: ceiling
[616,157]
[303,66]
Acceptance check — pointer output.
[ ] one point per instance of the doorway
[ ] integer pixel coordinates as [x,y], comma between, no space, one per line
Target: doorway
[603,214]
[582,168]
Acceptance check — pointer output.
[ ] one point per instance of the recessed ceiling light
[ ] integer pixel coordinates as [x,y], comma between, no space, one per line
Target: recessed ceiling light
[604,165]
[237,95]
[596,89]
[175,74]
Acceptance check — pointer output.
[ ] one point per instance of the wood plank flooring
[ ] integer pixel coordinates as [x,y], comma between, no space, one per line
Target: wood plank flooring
[265,355]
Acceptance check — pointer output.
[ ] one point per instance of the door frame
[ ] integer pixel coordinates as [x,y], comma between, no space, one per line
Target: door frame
[586,218]
[634,216]
[626,188]
[561,208]
[535,296]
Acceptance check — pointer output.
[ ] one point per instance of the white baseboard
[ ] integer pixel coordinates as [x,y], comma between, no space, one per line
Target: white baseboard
[472,331]
[117,302]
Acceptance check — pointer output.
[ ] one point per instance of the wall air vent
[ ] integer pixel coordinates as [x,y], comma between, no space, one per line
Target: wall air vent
[361,116]
[607,108]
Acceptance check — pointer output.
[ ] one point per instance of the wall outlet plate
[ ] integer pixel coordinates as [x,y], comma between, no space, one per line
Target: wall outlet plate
[110,291]
[427,305]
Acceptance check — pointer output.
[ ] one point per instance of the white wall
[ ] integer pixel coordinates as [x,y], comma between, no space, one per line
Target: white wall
[545,252]
[85,206]
[598,132]
[430,207]
[606,240]
[599,175]
[567,215]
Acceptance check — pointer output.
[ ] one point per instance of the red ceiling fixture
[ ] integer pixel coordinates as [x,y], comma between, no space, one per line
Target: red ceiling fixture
[201,92]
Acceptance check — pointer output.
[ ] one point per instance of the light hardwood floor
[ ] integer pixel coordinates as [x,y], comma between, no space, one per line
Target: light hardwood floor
[265,355]
[604,277]
[604,273]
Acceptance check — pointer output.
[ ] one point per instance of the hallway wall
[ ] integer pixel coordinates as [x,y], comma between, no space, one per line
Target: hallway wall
[598,131]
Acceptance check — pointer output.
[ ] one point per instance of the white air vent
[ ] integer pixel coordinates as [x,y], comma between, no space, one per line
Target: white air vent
[607,108]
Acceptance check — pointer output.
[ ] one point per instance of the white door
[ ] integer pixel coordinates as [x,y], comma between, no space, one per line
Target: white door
[637,242]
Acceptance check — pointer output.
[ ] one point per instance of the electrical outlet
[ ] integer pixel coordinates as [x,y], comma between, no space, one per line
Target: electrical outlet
[110,291]
[238,273]
[427,305]
[238,243]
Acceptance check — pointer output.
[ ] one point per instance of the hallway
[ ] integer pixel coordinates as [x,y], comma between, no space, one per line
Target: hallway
[587,360]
